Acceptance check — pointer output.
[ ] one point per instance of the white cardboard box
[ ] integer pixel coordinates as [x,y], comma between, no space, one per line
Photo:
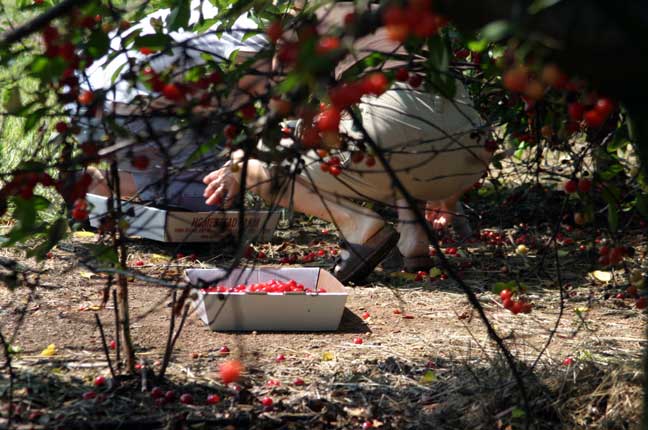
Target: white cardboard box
[269,311]
[180,226]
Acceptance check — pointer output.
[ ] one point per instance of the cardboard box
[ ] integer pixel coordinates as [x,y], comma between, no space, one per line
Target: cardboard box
[269,311]
[182,226]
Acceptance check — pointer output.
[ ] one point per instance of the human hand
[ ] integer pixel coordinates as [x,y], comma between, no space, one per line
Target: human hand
[222,187]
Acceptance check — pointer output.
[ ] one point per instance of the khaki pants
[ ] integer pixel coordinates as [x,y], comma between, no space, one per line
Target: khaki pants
[429,142]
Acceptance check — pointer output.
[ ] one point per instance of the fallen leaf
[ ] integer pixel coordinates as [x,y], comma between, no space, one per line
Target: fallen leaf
[159,258]
[404,275]
[428,377]
[86,275]
[49,351]
[602,276]
[434,272]
[328,356]
[83,235]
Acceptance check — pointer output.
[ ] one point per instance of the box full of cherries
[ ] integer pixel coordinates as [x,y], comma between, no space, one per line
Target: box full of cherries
[272,286]
[267,299]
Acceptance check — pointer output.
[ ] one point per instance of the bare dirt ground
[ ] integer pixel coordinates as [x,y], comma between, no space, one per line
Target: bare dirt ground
[425,361]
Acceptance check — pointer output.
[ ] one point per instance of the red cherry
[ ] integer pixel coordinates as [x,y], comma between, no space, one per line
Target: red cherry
[157,393]
[298,381]
[604,251]
[584,185]
[527,308]
[280,358]
[146,51]
[604,106]
[575,111]
[516,79]
[620,296]
[288,52]
[173,92]
[516,308]
[462,53]
[357,156]
[604,260]
[329,120]
[61,127]
[593,118]
[335,170]
[616,255]
[224,350]
[357,340]
[230,371]
[375,83]
[571,186]
[367,425]
[100,381]
[401,75]
[89,395]
[169,396]
[490,145]
[641,303]
[568,361]
[366,315]
[327,44]
[370,161]
[248,112]
[397,312]
[140,162]
[507,303]
[213,399]
[186,399]
[506,294]
[85,98]
[113,344]
[274,31]
[139,263]
[267,402]
[230,131]
[415,80]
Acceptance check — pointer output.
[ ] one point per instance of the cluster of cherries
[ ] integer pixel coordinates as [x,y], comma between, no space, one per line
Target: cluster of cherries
[23,184]
[611,256]
[416,18]
[515,306]
[272,286]
[582,185]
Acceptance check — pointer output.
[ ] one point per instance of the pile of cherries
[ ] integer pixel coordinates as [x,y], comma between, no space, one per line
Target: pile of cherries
[272,286]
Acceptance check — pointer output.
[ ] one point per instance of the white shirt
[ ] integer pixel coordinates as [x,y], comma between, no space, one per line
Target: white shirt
[220,45]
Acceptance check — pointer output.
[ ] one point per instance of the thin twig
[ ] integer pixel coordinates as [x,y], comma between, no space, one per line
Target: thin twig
[167,349]
[117,336]
[105,346]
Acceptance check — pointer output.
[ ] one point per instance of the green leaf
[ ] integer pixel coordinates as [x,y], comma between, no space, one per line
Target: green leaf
[539,5]
[517,412]
[156,42]
[98,44]
[11,100]
[641,204]
[499,286]
[428,377]
[33,119]
[496,30]
[613,217]
[439,61]
[179,16]
[48,69]
[611,172]
[478,45]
